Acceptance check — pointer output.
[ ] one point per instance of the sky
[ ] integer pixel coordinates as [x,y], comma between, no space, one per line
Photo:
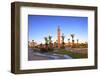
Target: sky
[40,26]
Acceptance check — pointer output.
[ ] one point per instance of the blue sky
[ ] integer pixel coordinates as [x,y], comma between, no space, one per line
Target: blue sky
[40,26]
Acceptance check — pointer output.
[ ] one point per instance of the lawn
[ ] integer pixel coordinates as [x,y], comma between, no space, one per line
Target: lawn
[72,54]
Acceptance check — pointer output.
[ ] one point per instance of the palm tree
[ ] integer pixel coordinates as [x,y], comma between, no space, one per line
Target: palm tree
[32,43]
[69,42]
[63,37]
[72,35]
[77,41]
[46,40]
[50,42]
[32,40]
[41,45]
[50,39]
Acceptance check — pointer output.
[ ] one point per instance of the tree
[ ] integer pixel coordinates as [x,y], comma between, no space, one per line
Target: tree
[69,42]
[77,41]
[50,39]
[41,45]
[33,44]
[63,37]
[50,42]
[46,40]
[72,35]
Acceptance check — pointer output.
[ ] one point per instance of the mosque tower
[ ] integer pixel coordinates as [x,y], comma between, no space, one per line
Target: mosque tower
[58,31]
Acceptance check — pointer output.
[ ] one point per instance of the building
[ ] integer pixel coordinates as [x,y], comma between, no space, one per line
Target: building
[58,31]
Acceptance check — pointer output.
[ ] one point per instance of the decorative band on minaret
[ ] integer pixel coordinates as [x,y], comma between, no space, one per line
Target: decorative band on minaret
[58,30]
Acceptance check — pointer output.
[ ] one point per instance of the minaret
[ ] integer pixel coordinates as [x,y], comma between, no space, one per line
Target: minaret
[58,31]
